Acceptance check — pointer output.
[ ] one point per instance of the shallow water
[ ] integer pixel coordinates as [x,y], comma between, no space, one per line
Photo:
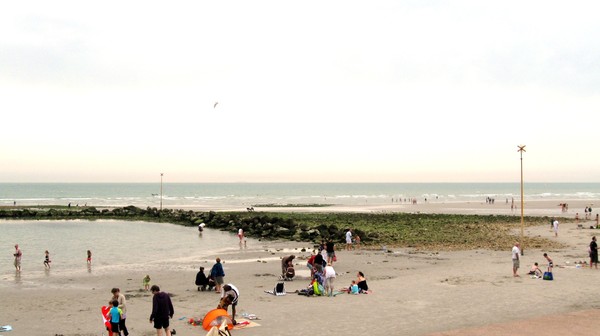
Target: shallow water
[115,245]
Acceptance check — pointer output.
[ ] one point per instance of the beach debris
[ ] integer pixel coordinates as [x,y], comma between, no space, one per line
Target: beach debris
[250,316]
[195,321]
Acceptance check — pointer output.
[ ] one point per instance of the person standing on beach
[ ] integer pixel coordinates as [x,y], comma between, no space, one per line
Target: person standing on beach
[217,274]
[515,258]
[115,314]
[319,263]
[555,227]
[18,254]
[330,248]
[146,282]
[349,240]
[593,253]
[122,304]
[241,235]
[550,262]
[329,277]
[162,310]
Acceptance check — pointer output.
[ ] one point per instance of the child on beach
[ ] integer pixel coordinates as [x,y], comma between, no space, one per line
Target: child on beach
[353,289]
[535,271]
[550,262]
[47,260]
[114,316]
[146,282]
[89,257]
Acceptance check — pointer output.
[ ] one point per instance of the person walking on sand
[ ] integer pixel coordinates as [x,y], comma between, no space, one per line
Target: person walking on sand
[162,311]
[121,304]
[594,253]
[18,255]
[555,227]
[217,274]
[47,260]
[515,258]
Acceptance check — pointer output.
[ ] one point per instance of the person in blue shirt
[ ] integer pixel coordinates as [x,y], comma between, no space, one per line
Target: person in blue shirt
[217,273]
[114,316]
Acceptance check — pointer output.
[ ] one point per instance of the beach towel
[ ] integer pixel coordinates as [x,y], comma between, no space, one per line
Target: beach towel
[244,324]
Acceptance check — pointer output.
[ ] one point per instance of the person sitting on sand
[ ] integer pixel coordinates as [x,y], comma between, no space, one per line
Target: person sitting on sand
[361,282]
[352,289]
[535,270]
[201,280]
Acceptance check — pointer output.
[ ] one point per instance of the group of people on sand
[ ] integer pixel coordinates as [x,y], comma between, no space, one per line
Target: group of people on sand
[323,274]
[216,279]
[18,255]
[536,272]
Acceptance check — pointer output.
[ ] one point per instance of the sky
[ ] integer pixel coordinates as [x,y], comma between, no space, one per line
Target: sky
[311,91]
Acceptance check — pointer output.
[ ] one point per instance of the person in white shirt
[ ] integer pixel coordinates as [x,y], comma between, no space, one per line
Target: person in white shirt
[555,227]
[329,277]
[516,251]
[348,240]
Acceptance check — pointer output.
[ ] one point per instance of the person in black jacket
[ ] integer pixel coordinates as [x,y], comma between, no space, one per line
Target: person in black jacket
[201,280]
[162,310]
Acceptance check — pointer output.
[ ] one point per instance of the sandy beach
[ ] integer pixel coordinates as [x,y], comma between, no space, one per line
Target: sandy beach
[413,293]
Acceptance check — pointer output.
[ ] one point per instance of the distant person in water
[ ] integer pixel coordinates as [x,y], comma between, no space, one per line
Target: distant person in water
[47,260]
[18,254]
[89,257]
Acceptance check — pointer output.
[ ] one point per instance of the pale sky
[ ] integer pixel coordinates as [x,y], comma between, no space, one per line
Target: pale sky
[307,91]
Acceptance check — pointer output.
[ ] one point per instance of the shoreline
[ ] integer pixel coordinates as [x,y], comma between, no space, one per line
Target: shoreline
[414,292]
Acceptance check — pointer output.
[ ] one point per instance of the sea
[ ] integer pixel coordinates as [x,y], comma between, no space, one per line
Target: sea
[231,195]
